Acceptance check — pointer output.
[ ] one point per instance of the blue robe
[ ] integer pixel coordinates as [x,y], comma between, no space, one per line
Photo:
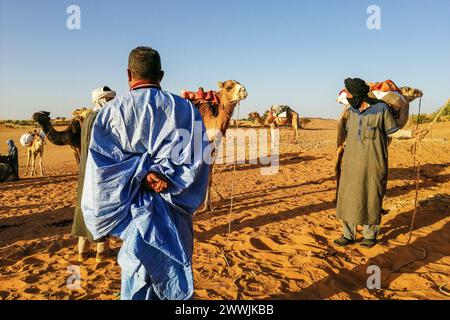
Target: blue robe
[147,130]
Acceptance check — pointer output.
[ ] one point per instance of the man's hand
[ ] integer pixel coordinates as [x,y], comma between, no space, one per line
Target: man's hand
[154,182]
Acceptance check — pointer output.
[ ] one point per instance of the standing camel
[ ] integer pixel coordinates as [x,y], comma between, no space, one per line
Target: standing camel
[292,118]
[36,148]
[70,136]
[217,118]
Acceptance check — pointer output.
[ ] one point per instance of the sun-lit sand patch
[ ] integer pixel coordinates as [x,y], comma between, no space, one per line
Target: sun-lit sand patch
[282,229]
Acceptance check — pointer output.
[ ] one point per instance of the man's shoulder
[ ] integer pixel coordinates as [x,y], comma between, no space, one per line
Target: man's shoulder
[381,106]
[377,108]
[135,99]
[178,100]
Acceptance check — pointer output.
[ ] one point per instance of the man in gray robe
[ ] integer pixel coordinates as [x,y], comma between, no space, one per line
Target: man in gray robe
[363,180]
[100,97]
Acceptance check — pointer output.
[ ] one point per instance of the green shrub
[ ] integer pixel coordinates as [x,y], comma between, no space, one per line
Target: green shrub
[428,117]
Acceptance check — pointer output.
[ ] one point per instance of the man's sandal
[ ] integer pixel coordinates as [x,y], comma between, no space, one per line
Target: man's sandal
[369,243]
[343,241]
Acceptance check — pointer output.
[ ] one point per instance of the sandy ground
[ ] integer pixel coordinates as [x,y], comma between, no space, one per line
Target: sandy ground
[282,229]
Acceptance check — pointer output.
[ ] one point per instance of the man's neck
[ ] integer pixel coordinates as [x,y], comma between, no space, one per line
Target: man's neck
[364,106]
[139,84]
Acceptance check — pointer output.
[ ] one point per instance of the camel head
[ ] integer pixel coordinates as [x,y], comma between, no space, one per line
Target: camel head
[41,117]
[232,92]
[411,94]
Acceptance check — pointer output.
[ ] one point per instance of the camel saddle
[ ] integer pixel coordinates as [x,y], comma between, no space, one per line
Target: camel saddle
[203,97]
[280,111]
[386,91]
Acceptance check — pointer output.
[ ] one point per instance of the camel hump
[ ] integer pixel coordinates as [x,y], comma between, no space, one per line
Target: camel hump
[81,112]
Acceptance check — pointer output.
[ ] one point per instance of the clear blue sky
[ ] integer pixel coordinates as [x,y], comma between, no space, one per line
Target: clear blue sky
[285,52]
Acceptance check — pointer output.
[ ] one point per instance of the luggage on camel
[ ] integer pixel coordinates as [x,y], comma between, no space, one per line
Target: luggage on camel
[280,111]
[386,91]
[26,140]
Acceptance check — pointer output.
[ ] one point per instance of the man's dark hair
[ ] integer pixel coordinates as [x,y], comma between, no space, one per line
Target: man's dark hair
[145,63]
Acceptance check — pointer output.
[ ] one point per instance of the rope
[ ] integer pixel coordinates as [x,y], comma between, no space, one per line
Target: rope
[232,184]
[415,144]
[417,154]
[443,290]
[230,212]
[418,117]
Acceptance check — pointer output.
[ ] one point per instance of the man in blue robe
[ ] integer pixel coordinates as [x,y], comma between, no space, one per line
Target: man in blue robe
[13,156]
[145,178]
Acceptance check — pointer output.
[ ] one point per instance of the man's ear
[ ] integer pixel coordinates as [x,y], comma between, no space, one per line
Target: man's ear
[161,75]
[221,84]
[129,75]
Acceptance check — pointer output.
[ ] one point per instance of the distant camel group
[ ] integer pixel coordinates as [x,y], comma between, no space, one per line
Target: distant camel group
[275,121]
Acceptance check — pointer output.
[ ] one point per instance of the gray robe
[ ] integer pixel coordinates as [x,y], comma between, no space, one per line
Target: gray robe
[363,181]
[79,228]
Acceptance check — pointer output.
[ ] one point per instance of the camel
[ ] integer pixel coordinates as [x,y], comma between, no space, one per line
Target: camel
[255,116]
[36,148]
[217,119]
[70,136]
[292,119]
[410,94]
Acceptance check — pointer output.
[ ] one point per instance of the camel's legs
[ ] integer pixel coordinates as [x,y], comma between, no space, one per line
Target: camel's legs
[33,164]
[273,143]
[77,156]
[295,121]
[207,203]
[28,162]
[40,163]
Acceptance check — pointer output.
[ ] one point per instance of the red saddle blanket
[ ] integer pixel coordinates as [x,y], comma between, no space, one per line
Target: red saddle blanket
[200,96]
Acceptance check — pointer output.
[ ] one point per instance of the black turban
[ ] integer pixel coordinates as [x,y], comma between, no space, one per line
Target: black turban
[359,90]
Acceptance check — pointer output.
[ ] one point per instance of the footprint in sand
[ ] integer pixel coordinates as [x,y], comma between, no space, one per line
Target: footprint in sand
[263,243]
[32,290]
[31,279]
[33,261]
[4,295]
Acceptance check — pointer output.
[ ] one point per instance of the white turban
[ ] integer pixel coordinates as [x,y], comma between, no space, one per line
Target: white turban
[100,97]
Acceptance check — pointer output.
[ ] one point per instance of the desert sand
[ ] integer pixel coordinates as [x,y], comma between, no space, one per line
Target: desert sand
[282,229]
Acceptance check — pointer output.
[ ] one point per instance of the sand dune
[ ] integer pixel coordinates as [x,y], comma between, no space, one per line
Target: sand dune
[282,230]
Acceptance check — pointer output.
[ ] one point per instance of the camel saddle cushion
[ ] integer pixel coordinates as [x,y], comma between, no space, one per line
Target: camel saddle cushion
[201,97]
